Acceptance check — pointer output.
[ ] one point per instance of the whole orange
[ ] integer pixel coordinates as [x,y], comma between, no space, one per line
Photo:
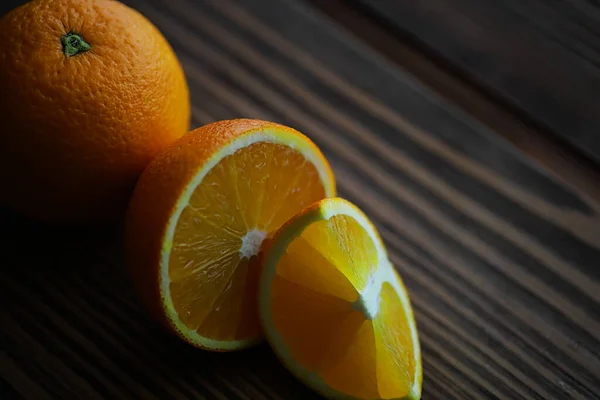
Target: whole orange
[90,92]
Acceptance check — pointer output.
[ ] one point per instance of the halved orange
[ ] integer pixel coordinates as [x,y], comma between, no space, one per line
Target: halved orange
[335,310]
[199,215]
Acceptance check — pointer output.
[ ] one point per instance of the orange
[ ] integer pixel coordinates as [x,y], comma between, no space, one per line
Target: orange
[91,92]
[198,219]
[335,310]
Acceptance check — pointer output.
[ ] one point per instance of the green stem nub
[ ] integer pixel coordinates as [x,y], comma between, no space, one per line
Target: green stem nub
[74,44]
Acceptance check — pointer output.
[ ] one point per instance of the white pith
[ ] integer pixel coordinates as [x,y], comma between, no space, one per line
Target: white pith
[251,243]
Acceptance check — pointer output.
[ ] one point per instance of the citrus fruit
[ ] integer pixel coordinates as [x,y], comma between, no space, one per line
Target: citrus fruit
[334,308]
[91,92]
[199,216]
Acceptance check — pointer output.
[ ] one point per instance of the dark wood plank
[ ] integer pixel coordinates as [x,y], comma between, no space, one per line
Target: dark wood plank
[499,254]
[8,392]
[564,162]
[541,57]
[8,5]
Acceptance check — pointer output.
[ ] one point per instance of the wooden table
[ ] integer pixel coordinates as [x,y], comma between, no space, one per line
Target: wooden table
[466,129]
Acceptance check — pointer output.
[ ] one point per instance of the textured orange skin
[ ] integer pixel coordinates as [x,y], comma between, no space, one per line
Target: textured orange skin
[156,195]
[76,132]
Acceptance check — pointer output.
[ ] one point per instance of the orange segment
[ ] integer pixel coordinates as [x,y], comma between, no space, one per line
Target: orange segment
[225,313]
[193,297]
[310,333]
[347,246]
[306,266]
[200,214]
[335,310]
[355,372]
[346,334]
[289,175]
[394,348]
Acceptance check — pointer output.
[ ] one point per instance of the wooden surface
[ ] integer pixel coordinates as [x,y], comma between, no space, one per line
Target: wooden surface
[542,57]
[498,245]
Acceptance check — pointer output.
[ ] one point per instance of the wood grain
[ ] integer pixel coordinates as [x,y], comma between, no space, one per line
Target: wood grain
[540,56]
[564,162]
[499,254]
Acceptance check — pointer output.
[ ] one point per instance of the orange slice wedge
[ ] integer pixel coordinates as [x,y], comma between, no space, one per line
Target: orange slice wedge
[335,310]
[199,216]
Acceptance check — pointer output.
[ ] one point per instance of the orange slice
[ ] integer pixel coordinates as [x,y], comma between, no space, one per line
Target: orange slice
[335,310]
[199,215]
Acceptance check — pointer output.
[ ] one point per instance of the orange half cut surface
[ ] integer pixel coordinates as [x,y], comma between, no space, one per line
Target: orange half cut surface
[198,219]
[334,308]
